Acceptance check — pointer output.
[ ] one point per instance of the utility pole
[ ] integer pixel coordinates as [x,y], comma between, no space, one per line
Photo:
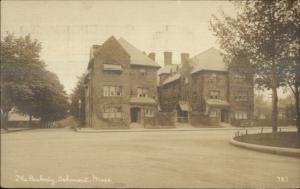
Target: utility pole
[79,112]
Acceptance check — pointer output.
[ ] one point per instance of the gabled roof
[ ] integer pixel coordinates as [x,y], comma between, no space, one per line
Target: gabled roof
[136,56]
[169,69]
[171,78]
[184,106]
[210,59]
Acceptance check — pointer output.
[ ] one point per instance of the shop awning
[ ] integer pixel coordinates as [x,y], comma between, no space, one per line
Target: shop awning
[217,103]
[112,67]
[184,106]
[142,100]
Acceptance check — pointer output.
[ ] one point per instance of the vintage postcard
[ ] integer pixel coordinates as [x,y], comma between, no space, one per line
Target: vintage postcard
[150,94]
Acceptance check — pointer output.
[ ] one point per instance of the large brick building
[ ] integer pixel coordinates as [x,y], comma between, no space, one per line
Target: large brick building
[121,86]
[202,90]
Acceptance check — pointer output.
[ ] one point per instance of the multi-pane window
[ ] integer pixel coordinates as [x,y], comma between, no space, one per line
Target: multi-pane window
[281,115]
[214,94]
[212,78]
[241,96]
[241,115]
[112,91]
[149,112]
[142,92]
[112,112]
[239,77]
[143,71]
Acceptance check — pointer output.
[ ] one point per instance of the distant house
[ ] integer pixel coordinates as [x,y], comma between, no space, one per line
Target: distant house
[263,115]
[16,119]
[202,90]
[120,86]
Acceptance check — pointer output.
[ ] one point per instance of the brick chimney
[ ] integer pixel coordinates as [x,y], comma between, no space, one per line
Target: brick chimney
[185,58]
[152,56]
[93,50]
[167,58]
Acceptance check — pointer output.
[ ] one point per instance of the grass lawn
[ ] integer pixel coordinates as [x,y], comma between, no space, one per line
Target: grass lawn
[280,139]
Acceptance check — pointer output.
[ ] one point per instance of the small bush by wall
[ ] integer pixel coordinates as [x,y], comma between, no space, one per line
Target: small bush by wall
[197,119]
[23,124]
[165,119]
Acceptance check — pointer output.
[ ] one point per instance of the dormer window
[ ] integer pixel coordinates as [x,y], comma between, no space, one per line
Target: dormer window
[241,96]
[142,92]
[214,94]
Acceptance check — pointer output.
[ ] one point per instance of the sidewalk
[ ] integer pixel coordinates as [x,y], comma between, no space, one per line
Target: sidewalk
[14,130]
[293,152]
[181,127]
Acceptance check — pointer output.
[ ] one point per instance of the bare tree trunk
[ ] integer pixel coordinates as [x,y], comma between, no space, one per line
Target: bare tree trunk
[297,108]
[30,120]
[274,110]
[5,122]
[274,101]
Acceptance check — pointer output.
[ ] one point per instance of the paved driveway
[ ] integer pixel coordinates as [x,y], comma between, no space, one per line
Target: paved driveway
[203,158]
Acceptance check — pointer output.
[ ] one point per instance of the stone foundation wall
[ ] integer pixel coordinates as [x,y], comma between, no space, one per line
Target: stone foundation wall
[165,119]
[23,124]
[99,123]
[241,123]
[149,122]
[197,119]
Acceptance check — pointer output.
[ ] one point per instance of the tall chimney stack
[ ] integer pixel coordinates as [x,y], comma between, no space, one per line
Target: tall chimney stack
[167,58]
[93,50]
[185,58]
[152,56]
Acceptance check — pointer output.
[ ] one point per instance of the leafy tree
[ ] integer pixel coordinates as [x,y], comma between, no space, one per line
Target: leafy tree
[50,98]
[288,102]
[293,59]
[78,95]
[26,84]
[19,59]
[258,37]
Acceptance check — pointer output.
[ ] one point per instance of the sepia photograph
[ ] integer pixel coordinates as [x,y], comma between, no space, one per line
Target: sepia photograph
[150,94]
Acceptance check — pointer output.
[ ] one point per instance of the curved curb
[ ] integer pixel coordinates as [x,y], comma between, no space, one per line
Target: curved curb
[267,149]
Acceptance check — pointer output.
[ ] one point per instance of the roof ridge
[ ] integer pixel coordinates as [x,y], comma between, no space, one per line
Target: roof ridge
[212,48]
[132,50]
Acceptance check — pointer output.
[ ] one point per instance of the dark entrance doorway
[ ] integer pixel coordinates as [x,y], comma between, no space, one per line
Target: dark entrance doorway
[135,113]
[182,116]
[223,115]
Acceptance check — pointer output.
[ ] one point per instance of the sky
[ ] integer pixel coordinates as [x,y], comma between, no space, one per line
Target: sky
[67,29]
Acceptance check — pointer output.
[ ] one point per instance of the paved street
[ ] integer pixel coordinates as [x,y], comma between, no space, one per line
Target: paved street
[202,158]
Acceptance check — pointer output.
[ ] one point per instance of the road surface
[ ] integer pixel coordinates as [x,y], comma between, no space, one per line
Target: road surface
[204,158]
